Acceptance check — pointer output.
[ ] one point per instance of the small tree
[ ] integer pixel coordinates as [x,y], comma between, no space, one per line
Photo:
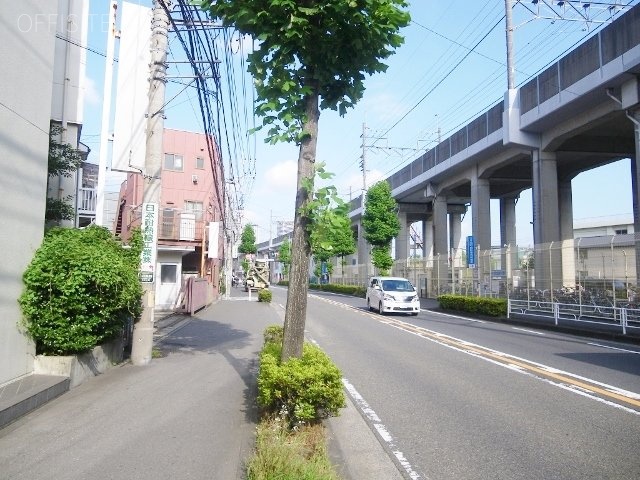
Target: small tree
[284,256]
[380,223]
[248,241]
[331,235]
[63,161]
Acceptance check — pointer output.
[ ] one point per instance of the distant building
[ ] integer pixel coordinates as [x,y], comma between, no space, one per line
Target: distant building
[191,201]
[606,225]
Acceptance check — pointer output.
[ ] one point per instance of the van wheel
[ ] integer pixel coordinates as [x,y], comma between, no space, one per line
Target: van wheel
[380,309]
[369,305]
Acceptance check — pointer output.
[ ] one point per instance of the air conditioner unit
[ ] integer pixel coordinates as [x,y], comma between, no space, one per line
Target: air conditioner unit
[194,178]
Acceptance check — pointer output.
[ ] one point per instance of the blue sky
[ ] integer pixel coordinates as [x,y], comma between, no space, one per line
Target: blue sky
[434,83]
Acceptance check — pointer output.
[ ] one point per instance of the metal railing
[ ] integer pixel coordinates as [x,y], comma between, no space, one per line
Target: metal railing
[625,318]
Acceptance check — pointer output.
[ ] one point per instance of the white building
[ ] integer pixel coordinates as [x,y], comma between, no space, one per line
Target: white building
[41,81]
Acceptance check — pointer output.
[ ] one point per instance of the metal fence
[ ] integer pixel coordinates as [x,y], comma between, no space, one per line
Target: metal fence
[600,270]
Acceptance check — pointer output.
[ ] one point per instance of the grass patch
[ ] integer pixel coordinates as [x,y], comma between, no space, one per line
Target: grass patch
[285,454]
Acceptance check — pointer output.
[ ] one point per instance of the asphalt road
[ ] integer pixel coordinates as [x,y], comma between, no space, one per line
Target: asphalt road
[452,398]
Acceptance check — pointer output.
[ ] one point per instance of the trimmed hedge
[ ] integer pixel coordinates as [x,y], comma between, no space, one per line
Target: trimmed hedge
[355,290]
[493,307]
[301,390]
[265,295]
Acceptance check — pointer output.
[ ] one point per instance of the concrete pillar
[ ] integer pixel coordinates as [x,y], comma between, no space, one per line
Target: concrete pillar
[441,246]
[403,238]
[635,187]
[481,227]
[427,237]
[568,262]
[546,220]
[455,230]
[509,260]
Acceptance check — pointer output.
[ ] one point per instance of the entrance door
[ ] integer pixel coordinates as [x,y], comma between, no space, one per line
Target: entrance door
[168,285]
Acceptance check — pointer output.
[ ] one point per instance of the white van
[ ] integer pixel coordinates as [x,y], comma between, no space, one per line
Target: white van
[392,295]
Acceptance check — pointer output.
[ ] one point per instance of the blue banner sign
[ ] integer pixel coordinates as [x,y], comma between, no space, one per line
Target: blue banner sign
[471,252]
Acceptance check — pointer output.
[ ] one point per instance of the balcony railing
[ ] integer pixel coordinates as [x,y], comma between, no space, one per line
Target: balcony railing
[87,200]
[179,225]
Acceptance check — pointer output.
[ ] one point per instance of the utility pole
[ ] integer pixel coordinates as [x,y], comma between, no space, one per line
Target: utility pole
[106,113]
[143,329]
[509,34]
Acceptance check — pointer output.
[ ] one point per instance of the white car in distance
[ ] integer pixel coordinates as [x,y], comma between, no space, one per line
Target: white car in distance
[392,295]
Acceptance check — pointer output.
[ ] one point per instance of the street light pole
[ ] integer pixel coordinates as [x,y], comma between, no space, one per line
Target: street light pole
[143,329]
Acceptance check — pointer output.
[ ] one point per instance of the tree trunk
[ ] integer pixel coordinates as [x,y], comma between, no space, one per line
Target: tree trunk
[296,310]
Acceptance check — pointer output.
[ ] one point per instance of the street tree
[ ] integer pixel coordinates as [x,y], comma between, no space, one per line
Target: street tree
[380,223]
[248,241]
[284,256]
[331,235]
[311,55]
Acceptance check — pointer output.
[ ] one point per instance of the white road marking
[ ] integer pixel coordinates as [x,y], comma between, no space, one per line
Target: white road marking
[528,331]
[614,348]
[380,428]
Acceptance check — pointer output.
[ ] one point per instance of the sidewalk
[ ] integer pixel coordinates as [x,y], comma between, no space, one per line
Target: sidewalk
[190,414]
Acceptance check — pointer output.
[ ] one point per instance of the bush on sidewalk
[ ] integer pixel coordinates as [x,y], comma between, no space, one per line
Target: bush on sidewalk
[80,289]
[265,295]
[301,390]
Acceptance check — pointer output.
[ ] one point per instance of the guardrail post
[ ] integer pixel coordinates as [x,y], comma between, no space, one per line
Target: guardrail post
[623,320]
[556,312]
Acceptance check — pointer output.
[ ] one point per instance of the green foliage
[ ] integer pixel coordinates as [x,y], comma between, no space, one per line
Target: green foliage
[300,390]
[265,295]
[273,334]
[493,307]
[248,240]
[80,288]
[59,209]
[380,219]
[245,265]
[355,290]
[285,454]
[63,161]
[284,255]
[381,259]
[63,158]
[331,234]
[319,48]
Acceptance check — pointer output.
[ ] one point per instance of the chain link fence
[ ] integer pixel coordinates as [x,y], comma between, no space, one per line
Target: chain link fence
[597,270]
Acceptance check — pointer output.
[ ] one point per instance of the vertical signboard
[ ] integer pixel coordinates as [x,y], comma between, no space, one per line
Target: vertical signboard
[149,229]
[471,252]
[214,234]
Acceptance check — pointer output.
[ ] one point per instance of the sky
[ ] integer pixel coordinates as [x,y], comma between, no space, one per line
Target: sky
[451,67]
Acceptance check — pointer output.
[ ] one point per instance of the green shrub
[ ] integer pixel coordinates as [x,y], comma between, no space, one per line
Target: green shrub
[302,390]
[273,334]
[265,295]
[355,290]
[80,288]
[494,307]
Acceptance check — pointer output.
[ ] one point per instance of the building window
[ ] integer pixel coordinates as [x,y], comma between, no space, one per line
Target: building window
[622,231]
[173,162]
[200,163]
[168,273]
[193,207]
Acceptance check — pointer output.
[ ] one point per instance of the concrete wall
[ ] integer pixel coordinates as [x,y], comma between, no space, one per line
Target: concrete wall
[27,40]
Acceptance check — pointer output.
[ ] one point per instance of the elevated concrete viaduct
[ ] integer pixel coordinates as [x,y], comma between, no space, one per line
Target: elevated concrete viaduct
[580,113]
